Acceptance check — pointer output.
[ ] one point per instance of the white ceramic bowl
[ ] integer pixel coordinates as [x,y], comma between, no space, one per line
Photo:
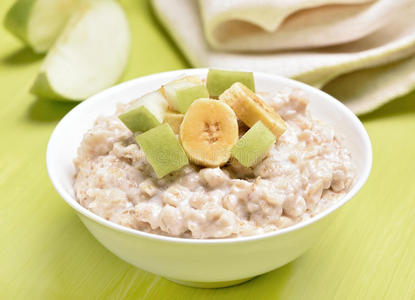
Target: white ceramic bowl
[203,263]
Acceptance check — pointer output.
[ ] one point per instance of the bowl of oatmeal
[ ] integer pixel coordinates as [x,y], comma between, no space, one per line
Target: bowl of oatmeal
[214,190]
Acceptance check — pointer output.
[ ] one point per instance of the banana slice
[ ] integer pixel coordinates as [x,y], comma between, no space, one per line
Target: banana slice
[251,109]
[208,132]
[174,119]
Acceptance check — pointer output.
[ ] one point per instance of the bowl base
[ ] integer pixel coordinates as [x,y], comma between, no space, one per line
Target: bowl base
[211,285]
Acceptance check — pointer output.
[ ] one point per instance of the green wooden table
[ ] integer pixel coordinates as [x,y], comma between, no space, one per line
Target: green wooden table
[46,253]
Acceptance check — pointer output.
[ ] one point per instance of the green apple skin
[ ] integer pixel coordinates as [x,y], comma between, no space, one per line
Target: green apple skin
[162,149]
[38,23]
[79,65]
[220,80]
[155,103]
[139,119]
[181,94]
[186,96]
[43,89]
[253,145]
[16,20]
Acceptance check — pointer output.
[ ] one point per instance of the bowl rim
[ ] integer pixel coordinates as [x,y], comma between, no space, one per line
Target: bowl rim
[202,71]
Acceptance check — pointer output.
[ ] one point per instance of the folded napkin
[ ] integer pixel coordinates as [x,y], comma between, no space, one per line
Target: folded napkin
[360,51]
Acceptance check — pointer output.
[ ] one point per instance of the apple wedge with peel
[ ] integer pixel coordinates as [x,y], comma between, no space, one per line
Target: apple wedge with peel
[148,112]
[39,22]
[181,93]
[162,149]
[89,56]
[253,145]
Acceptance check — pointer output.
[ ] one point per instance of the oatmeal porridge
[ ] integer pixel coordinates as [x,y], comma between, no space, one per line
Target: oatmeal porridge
[305,170]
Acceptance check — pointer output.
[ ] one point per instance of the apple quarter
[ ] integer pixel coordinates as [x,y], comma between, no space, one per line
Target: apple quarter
[220,80]
[253,145]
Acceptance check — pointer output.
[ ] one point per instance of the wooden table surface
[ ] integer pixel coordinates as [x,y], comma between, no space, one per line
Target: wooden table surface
[46,253]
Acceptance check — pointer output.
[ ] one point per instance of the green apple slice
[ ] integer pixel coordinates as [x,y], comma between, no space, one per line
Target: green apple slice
[148,112]
[155,103]
[253,145]
[162,149]
[89,56]
[182,92]
[186,96]
[39,22]
[220,80]
[139,119]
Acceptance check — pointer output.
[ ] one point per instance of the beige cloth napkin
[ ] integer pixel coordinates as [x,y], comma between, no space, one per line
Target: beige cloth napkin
[368,56]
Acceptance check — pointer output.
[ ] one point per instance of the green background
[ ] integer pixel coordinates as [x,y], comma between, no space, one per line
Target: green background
[46,253]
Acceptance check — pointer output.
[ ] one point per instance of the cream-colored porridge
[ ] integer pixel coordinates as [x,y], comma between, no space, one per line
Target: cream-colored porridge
[307,170]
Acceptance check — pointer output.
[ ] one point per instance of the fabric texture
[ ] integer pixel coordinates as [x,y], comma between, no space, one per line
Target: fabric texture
[360,51]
